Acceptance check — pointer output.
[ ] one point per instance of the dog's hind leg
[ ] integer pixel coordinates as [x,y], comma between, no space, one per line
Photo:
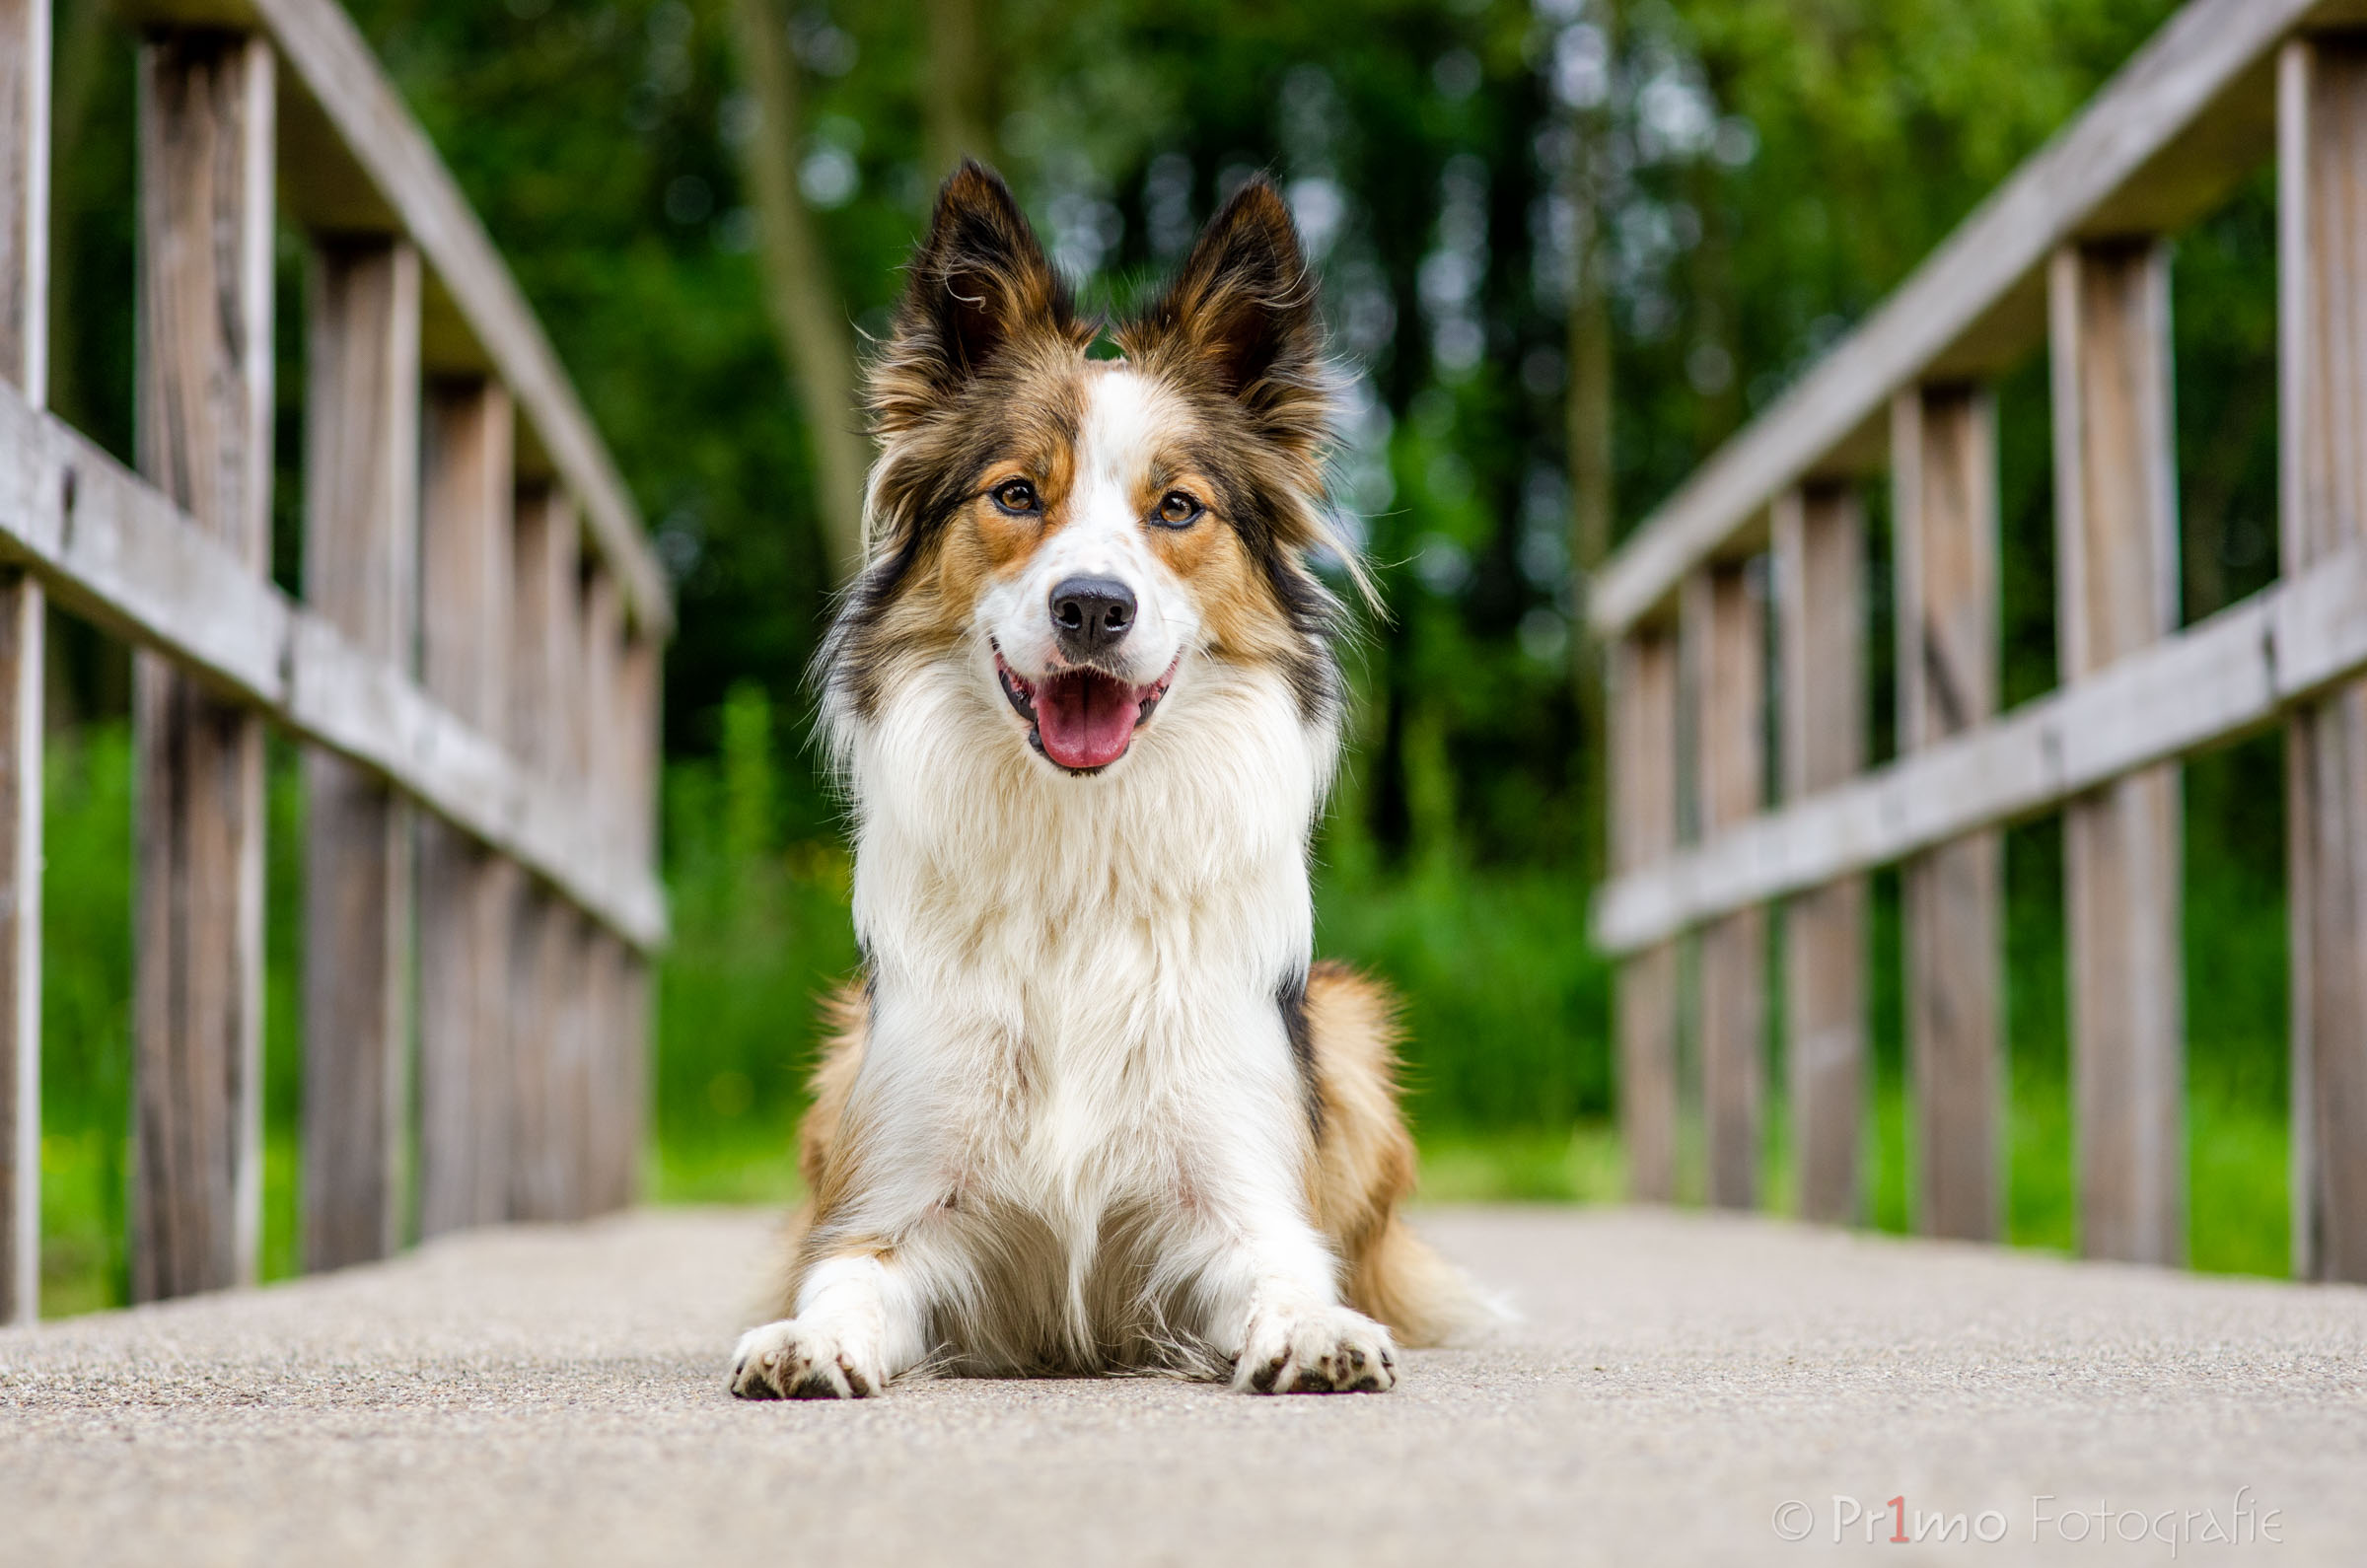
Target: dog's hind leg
[1364,1166]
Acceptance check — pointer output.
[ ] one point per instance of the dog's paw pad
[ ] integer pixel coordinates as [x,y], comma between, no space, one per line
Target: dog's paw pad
[791,1361]
[1329,1350]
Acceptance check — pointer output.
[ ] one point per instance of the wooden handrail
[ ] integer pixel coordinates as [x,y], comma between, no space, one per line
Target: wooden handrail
[2218,681]
[2190,113]
[2072,253]
[405,188]
[110,547]
[538,900]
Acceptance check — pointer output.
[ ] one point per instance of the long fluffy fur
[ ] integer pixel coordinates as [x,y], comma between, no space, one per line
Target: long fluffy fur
[1092,1108]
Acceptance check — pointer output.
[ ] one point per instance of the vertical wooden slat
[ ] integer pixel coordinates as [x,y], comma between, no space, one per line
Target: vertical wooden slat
[1819,573]
[2323,323]
[601,1034]
[204,438]
[548,952]
[638,697]
[2117,589]
[1644,769]
[23,353]
[360,557]
[1725,632]
[466,894]
[1944,475]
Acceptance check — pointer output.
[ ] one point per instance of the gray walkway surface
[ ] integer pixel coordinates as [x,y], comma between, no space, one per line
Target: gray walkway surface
[557,1395]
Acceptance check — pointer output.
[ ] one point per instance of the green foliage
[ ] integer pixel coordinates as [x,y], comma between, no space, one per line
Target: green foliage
[761,934]
[86,1017]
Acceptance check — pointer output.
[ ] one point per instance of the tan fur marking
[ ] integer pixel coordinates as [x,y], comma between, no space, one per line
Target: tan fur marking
[1363,1164]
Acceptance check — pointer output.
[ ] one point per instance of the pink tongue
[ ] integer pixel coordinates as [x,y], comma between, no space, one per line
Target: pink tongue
[1085,720]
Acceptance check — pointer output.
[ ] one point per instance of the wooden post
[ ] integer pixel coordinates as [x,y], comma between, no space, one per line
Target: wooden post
[602,1078]
[360,558]
[1725,637]
[638,698]
[23,364]
[2321,111]
[204,438]
[466,893]
[1820,572]
[1944,475]
[1643,768]
[2116,591]
[548,953]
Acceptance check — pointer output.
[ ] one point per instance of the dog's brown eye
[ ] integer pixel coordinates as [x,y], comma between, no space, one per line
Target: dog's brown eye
[1176,508]
[1015,495]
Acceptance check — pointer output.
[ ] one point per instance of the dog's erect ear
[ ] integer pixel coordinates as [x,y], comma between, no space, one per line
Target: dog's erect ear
[1243,313]
[980,281]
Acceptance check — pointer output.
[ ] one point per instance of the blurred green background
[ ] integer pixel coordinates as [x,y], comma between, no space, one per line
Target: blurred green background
[1567,248]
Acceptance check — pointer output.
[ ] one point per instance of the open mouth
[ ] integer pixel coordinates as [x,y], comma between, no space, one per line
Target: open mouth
[1081,719]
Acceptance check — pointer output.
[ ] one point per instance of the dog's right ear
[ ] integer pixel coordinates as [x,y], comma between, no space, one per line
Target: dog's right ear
[978,283]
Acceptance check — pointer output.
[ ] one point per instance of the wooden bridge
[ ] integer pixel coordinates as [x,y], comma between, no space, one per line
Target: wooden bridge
[458,503]
[1681,1388]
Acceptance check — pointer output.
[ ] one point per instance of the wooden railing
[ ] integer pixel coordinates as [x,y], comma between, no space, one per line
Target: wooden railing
[472,667]
[2071,255]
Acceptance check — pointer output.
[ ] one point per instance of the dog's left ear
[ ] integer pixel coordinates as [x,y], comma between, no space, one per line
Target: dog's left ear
[1242,314]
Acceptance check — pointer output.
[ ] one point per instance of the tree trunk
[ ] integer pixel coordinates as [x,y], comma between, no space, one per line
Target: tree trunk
[806,310]
[1588,406]
[958,78]
[1717,405]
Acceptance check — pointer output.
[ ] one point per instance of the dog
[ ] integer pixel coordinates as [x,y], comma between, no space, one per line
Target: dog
[1092,1108]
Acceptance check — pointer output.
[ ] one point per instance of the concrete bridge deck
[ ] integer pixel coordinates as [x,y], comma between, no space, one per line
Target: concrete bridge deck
[557,1395]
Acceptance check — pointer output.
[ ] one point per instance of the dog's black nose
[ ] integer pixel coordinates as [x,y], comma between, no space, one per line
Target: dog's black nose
[1091,614]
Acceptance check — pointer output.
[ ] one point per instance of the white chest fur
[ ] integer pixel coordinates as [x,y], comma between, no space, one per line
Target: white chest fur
[1075,979]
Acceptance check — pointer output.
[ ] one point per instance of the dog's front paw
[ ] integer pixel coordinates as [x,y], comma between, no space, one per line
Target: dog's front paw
[791,1360]
[1324,1350]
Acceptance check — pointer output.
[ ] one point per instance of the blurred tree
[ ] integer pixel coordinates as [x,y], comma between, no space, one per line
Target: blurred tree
[961,81]
[808,312]
[1583,67]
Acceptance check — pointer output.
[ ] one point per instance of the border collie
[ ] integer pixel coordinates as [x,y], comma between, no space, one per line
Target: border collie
[1092,1108]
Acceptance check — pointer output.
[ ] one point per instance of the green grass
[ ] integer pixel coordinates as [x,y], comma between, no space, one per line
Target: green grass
[750,1163]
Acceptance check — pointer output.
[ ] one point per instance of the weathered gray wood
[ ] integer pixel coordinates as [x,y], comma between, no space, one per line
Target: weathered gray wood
[24,346]
[204,438]
[2323,313]
[25,195]
[633,982]
[2218,681]
[116,551]
[327,54]
[545,986]
[1819,606]
[468,895]
[1643,831]
[1725,640]
[23,623]
[1965,289]
[2116,591]
[594,1078]
[360,558]
[1943,449]
[636,775]
[341,88]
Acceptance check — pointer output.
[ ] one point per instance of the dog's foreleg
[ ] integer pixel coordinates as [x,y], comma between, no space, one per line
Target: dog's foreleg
[862,1318]
[1272,1288]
